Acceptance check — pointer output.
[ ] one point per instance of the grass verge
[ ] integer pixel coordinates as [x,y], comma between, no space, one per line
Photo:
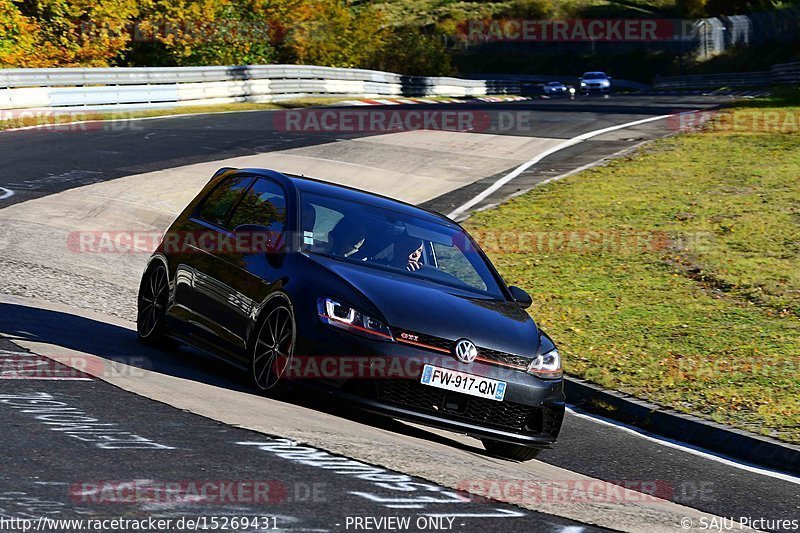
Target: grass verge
[673,274]
[13,118]
[10,119]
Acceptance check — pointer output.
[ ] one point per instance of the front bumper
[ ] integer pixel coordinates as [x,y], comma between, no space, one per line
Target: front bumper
[531,413]
[596,88]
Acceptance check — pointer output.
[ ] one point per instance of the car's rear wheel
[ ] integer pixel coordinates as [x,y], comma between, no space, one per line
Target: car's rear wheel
[152,308]
[273,350]
[506,450]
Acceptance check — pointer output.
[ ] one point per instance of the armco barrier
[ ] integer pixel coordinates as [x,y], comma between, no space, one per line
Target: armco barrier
[701,81]
[786,73]
[100,88]
[571,80]
[783,74]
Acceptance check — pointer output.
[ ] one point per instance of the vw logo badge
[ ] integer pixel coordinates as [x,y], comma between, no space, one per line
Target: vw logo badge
[466,352]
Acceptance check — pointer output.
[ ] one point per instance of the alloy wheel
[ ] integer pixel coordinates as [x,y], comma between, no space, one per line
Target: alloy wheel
[273,348]
[152,303]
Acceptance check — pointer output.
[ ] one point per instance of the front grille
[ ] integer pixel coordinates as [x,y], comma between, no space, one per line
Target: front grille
[551,421]
[458,406]
[443,345]
[503,358]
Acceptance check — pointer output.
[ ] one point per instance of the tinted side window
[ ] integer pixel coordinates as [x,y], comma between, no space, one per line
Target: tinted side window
[453,261]
[318,221]
[218,204]
[264,204]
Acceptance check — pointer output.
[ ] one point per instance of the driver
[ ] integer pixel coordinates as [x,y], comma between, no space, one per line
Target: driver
[407,253]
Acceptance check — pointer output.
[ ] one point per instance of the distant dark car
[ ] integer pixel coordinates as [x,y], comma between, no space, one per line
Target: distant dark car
[308,284]
[555,88]
[595,82]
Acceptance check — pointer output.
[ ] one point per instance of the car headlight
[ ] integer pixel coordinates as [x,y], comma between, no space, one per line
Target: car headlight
[583,84]
[344,316]
[547,366]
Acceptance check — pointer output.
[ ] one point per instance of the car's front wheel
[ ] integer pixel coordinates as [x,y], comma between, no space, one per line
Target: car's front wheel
[152,308]
[514,452]
[273,350]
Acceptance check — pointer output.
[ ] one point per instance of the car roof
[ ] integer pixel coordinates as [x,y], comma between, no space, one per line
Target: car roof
[595,72]
[343,192]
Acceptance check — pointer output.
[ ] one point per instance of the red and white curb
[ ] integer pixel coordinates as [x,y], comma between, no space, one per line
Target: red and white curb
[406,101]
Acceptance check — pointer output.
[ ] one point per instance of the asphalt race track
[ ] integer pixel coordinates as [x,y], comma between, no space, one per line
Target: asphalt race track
[162,423]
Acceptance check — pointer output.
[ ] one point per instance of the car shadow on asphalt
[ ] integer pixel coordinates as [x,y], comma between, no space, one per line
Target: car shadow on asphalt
[116,343]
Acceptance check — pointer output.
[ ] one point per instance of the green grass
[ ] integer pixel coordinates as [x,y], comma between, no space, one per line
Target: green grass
[10,119]
[21,118]
[704,316]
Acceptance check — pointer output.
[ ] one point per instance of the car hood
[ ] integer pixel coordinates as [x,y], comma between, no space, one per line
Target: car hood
[420,306]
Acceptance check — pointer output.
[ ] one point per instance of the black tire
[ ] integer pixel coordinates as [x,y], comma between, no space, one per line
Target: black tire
[152,308]
[515,452]
[273,349]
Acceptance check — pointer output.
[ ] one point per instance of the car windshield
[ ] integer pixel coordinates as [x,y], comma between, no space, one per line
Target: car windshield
[385,239]
[554,83]
[594,76]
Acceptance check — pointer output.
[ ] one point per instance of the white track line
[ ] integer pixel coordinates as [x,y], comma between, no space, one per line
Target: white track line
[688,448]
[525,166]
[5,193]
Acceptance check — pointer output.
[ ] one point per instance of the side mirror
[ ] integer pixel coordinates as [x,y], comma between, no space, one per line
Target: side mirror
[254,238]
[522,298]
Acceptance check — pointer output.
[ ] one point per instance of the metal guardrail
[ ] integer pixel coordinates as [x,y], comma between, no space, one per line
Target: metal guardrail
[782,74]
[570,80]
[161,86]
[786,73]
[702,81]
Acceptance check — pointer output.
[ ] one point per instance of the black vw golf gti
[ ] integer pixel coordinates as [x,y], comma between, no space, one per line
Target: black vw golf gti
[374,301]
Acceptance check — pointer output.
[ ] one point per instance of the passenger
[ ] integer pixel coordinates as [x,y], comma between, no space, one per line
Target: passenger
[347,237]
[407,253]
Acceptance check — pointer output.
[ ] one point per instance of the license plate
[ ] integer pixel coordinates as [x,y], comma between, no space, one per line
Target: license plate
[444,378]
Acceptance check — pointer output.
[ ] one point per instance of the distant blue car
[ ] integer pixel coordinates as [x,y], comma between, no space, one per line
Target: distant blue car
[555,88]
[598,82]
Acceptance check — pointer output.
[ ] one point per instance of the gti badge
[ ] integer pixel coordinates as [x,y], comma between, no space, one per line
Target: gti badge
[466,352]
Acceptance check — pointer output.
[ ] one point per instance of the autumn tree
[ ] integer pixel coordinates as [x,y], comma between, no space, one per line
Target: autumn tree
[17,36]
[327,32]
[413,52]
[44,33]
